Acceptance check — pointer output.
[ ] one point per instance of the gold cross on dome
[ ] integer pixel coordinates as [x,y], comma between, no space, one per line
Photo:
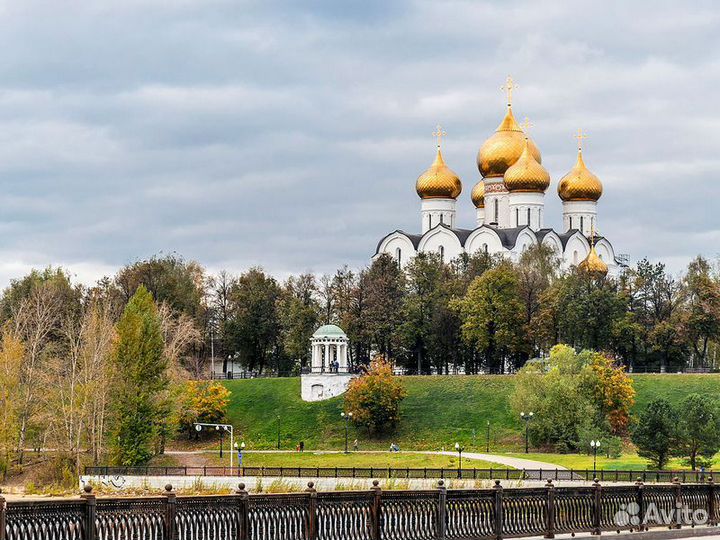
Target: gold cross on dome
[508,88]
[526,125]
[580,136]
[439,133]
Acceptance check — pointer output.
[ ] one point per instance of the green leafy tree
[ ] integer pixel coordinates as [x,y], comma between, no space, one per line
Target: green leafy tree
[492,315]
[384,283]
[253,327]
[374,397]
[656,432]
[702,319]
[698,434]
[140,378]
[299,316]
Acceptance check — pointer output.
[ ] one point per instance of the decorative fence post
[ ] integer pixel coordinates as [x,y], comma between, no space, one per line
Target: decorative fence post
[712,511]
[640,500]
[171,532]
[442,499]
[550,511]
[597,508]
[2,516]
[677,491]
[312,512]
[375,511]
[243,526]
[498,510]
[90,508]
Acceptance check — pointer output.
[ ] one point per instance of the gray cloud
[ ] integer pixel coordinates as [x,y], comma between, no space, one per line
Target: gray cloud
[290,135]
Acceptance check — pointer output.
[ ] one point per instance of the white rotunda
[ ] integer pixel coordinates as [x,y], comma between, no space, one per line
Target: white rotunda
[329,372]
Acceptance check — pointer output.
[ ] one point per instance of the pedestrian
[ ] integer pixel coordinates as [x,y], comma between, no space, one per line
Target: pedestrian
[302,446]
[355,445]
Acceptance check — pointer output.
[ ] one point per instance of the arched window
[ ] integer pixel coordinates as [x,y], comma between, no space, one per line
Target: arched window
[575,257]
[570,222]
[429,221]
[442,218]
[528,217]
[398,256]
[497,211]
[517,217]
[485,248]
[441,249]
[582,229]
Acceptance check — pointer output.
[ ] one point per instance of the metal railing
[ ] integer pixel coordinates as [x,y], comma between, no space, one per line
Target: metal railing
[408,473]
[431,514]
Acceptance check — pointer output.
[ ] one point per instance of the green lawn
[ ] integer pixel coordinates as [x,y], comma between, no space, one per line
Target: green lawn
[626,462]
[359,459]
[438,411]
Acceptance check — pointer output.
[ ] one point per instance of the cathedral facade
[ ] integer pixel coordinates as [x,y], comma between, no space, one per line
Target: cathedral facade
[510,210]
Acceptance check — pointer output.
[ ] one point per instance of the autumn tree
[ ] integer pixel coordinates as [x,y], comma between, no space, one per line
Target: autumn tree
[202,401]
[140,377]
[374,397]
[11,358]
[702,320]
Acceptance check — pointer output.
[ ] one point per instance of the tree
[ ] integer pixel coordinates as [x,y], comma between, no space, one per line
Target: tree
[374,397]
[384,282]
[202,401]
[299,315]
[656,432]
[140,373]
[613,392]
[253,327]
[11,359]
[702,320]
[492,315]
[698,429]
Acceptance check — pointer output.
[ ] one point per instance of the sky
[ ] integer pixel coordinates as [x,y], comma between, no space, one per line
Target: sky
[289,135]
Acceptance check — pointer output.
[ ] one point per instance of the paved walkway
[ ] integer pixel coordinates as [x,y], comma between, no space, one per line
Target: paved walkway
[515,463]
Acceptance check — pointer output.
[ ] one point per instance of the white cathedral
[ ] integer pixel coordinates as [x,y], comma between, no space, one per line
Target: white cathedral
[510,203]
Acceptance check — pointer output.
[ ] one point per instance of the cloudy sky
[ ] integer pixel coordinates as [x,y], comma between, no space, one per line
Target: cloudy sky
[290,134]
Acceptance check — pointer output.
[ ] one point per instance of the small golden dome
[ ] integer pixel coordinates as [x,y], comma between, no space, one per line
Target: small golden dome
[580,184]
[526,174]
[478,194]
[439,181]
[593,264]
[503,148]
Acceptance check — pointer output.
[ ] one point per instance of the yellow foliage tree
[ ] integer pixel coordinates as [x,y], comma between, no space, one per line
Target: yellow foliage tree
[11,358]
[203,401]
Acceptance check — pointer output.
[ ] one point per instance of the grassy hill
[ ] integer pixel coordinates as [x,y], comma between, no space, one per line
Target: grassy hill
[438,411]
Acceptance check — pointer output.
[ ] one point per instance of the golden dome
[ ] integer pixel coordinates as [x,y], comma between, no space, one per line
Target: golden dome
[438,182]
[503,148]
[526,174]
[478,194]
[580,184]
[593,264]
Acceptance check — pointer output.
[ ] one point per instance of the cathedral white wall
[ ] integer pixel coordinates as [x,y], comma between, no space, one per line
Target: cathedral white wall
[480,216]
[484,239]
[581,215]
[553,241]
[437,211]
[441,240]
[497,212]
[519,203]
[576,249]
[398,246]
[525,241]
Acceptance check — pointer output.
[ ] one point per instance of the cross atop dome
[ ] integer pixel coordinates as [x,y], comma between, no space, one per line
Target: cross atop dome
[526,125]
[439,133]
[580,136]
[508,88]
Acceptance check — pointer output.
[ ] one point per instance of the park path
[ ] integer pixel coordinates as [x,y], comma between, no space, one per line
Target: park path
[515,463]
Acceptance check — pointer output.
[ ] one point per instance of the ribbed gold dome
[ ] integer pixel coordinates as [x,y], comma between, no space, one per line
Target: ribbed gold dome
[526,174]
[503,148]
[580,184]
[439,181]
[478,194]
[593,264]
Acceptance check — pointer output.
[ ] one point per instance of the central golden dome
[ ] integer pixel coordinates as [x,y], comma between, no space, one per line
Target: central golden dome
[593,264]
[439,181]
[580,184]
[526,174]
[478,194]
[503,148]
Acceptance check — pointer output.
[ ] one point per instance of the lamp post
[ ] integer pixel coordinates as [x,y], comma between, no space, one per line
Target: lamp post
[224,427]
[217,428]
[595,445]
[487,439]
[278,425]
[347,418]
[240,450]
[527,417]
[459,449]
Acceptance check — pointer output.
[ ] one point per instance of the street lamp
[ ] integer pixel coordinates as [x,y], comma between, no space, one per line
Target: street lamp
[595,445]
[527,417]
[487,446]
[224,427]
[347,418]
[459,449]
[240,449]
[278,424]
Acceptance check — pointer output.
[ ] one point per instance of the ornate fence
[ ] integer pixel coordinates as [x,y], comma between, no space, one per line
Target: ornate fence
[436,514]
[410,473]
